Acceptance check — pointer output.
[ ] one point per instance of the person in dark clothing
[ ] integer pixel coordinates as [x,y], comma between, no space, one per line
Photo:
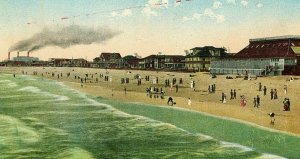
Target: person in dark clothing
[170,101]
[272,94]
[176,88]
[259,86]
[272,115]
[254,102]
[265,90]
[234,94]
[231,94]
[275,94]
[257,101]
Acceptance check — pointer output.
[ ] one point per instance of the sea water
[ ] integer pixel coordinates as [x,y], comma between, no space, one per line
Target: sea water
[45,119]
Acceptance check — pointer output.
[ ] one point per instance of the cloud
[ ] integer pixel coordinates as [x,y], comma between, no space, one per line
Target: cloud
[124,13]
[231,2]
[186,19]
[148,11]
[244,3]
[114,14]
[197,16]
[220,18]
[208,12]
[165,3]
[153,2]
[259,5]
[217,4]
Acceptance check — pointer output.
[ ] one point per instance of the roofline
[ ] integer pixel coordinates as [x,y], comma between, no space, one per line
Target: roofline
[275,38]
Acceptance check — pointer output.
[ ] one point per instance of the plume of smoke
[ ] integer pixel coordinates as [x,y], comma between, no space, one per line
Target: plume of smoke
[64,37]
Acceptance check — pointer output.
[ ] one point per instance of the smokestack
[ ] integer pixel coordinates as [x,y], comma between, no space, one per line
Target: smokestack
[28,54]
[18,54]
[8,56]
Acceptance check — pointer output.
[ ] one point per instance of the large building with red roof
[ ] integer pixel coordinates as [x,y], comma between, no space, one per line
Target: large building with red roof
[263,56]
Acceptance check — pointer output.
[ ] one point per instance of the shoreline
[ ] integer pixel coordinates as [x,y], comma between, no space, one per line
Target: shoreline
[206,103]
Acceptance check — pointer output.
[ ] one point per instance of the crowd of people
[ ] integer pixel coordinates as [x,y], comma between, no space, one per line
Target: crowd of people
[154,92]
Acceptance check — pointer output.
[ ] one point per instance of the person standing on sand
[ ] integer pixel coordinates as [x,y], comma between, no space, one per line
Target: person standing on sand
[243,101]
[257,101]
[234,94]
[285,89]
[176,88]
[224,99]
[231,94]
[189,102]
[259,86]
[272,94]
[125,90]
[254,102]
[275,94]
[265,90]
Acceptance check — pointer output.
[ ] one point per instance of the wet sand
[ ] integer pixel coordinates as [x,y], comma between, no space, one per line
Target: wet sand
[201,99]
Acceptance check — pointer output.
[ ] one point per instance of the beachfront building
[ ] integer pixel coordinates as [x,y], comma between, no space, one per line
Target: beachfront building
[147,62]
[166,62]
[110,60]
[263,56]
[130,61]
[199,58]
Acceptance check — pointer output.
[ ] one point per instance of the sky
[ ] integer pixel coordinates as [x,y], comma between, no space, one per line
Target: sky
[147,27]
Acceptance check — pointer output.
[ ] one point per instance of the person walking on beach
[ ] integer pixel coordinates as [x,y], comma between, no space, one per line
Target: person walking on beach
[285,89]
[125,90]
[257,101]
[189,102]
[231,94]
[176,88]
[275,94]
[272,94]
[259,86]
[214,88]
[234,94]
[224,99]
[242,101]
[265,90]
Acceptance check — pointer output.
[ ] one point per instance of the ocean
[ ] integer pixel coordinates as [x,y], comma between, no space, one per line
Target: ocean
[42,118]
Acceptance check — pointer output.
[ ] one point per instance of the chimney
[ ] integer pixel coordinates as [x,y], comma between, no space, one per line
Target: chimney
[18,54]
[8,56]
[28,54]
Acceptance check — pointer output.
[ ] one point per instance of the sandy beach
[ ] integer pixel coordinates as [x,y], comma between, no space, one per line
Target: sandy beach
[201,100]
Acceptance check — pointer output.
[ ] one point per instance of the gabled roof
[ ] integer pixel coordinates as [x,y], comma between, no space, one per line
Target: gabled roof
[205,51]
[270,48]
[108,56]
